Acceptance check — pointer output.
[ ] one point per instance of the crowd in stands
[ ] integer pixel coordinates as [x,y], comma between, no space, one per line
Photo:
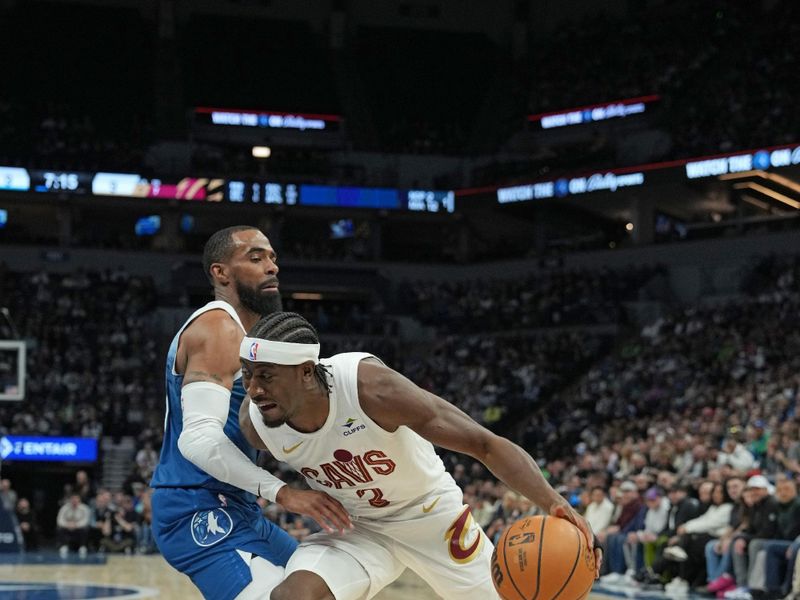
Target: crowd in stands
[89,330]
[88,519]
[550,298]
[497,379]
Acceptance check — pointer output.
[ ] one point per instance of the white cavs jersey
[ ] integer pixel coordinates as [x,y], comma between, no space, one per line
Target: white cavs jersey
[374,473]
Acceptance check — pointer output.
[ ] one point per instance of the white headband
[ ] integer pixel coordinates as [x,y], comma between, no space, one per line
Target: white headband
[280,353]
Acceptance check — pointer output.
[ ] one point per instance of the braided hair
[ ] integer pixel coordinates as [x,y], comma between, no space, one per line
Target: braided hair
[290,327]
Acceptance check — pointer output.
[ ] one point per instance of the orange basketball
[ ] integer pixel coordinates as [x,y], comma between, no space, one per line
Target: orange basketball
[542,558]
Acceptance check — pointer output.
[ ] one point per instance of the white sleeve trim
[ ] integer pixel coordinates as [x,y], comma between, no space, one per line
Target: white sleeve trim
[204,443]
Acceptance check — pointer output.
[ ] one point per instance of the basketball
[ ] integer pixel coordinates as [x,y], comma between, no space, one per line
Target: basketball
[542,558]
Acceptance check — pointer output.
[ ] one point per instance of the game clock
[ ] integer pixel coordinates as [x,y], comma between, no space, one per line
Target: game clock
[60,181]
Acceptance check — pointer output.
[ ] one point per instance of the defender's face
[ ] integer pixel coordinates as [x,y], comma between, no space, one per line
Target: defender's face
[274,389]
[253,270]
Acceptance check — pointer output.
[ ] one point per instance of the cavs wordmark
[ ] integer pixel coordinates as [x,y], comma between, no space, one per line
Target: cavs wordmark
[350,470]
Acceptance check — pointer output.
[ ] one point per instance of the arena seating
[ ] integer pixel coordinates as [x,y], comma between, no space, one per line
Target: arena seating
[551,298]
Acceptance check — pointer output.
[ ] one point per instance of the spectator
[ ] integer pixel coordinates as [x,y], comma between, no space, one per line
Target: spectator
[699,465]
[506,513]
[631,518]
[146,460]
[767,557]
[119,528]
[83,486]
[639,548]
[682,508]
[705,492]
[761,523]
[145,542]
[734,454]
[718,556]
[758,438]
[687,547]
[600,510]
[28,524]
[8,496]
[73,526]
[101,510]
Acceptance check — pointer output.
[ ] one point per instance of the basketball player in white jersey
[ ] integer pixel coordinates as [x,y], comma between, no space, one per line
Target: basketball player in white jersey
[205,518]
[364,433]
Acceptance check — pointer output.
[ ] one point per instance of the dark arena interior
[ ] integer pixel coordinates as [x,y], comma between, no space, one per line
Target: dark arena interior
[576,221]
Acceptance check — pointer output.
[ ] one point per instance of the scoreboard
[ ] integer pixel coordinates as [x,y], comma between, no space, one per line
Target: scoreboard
[234,191]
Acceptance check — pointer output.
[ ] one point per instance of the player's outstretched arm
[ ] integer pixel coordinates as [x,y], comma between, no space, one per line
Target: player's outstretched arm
[327,511]
[208,359]
[392,400]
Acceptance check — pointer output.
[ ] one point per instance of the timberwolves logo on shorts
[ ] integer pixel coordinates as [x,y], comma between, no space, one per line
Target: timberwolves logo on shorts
[211,526]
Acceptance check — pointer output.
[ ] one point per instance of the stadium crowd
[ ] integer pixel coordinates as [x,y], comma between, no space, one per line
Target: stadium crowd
[89,519]
[551,298]
[89,329]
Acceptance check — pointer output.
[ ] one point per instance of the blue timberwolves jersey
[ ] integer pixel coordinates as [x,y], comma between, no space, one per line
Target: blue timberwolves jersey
[173,469]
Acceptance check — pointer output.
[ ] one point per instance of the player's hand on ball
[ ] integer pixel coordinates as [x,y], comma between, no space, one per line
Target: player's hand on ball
[564,511]
[326,511]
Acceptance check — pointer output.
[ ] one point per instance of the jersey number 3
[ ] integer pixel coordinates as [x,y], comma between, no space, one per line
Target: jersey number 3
[377,500]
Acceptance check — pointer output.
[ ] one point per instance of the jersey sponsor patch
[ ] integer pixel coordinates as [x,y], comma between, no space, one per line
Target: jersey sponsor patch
[352,426]
[211,526]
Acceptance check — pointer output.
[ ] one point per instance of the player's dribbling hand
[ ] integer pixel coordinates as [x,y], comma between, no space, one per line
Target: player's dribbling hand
[564,511]
[326,511]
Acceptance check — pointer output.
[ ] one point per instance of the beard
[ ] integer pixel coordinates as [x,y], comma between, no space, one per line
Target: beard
[261,303]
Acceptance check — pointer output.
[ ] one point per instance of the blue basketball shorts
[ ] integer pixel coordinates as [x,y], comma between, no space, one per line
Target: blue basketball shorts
[199,531]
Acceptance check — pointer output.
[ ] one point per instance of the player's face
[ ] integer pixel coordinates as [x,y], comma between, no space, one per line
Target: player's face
[254,271]
[274,389]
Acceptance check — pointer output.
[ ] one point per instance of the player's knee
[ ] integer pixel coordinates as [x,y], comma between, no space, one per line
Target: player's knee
[287,591]
[283,592]
[280,593]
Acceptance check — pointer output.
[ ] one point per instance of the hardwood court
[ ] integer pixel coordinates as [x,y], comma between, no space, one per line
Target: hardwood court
[154,578]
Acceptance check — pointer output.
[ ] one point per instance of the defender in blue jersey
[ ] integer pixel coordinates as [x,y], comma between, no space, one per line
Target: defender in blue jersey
[205,518]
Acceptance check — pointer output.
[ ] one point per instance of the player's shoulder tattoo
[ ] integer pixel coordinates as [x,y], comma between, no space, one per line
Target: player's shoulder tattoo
[194,376]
